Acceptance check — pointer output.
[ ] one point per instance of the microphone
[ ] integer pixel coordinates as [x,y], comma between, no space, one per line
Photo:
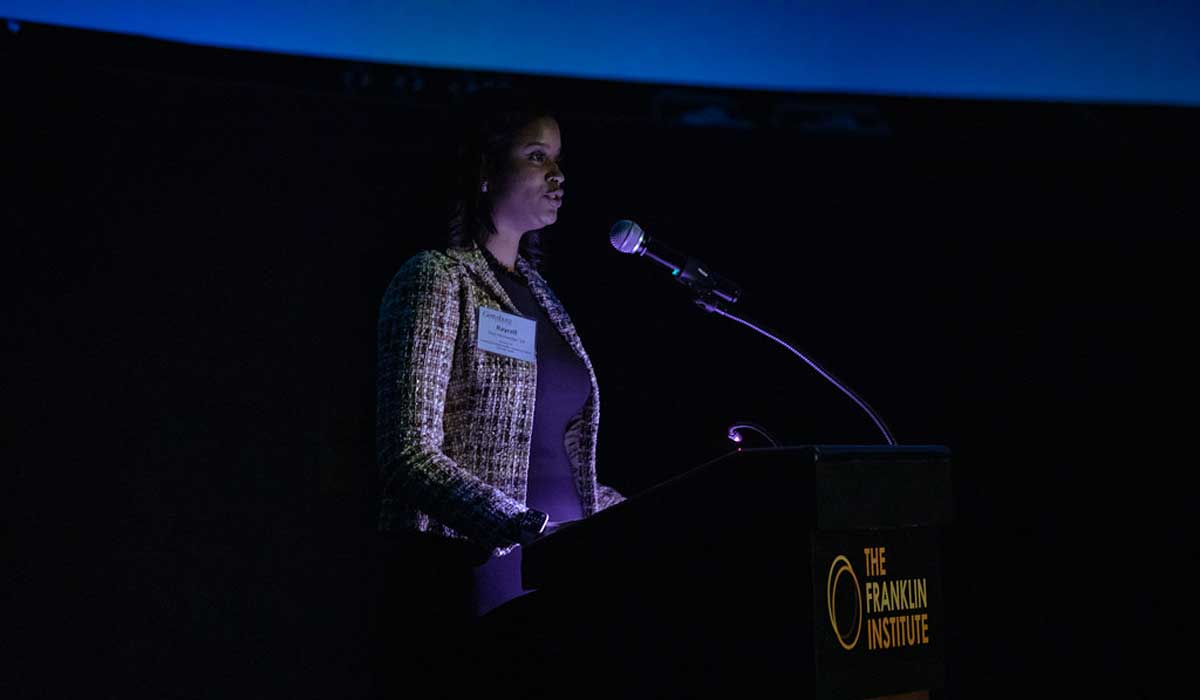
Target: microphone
[628,237]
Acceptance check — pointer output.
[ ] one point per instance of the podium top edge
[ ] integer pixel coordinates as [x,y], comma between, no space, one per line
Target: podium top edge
[836,452]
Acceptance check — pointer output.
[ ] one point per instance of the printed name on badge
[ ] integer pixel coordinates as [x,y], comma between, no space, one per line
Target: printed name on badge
[506,334]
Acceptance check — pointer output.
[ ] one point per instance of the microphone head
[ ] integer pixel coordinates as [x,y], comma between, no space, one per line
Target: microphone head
[626,236]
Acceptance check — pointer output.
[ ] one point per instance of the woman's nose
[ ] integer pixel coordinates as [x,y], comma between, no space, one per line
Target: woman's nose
[557,175]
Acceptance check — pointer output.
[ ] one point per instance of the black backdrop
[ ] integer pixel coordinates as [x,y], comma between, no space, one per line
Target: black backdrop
[199,240]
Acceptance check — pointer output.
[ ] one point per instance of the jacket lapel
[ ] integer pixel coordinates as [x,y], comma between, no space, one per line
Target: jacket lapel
[473,260]
[554,309]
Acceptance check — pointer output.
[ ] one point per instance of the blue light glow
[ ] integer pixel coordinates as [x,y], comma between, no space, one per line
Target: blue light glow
[1104,50]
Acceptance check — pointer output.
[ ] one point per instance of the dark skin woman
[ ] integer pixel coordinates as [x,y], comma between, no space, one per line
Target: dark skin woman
[488,406]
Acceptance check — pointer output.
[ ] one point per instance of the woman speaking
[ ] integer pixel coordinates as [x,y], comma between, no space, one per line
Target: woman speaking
[488,408]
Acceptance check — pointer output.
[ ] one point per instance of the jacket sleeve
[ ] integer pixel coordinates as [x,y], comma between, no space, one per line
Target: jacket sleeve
[418,325]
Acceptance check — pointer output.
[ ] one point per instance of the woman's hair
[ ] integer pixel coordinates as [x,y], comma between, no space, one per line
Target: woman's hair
[487,127]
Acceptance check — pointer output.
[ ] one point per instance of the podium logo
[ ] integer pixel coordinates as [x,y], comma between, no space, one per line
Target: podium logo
[895,610]
[843,595]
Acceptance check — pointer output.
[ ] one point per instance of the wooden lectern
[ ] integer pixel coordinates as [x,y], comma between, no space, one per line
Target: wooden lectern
[811,569]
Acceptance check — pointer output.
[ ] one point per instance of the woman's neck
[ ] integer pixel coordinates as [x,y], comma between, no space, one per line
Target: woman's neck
[504,249]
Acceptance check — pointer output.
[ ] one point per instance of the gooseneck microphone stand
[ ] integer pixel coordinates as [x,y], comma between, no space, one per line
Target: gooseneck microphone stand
[712,304]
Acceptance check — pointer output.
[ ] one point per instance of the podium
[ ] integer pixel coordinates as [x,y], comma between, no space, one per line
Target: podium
[815,569]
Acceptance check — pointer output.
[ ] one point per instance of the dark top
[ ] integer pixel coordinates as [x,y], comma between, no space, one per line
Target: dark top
[563,386]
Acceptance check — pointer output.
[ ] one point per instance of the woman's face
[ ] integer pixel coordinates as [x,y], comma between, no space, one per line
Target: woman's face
[526,189]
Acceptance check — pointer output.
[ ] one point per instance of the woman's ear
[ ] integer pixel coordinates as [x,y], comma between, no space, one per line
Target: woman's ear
[484,172]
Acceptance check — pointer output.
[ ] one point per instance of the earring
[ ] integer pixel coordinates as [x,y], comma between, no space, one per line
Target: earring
[484,188]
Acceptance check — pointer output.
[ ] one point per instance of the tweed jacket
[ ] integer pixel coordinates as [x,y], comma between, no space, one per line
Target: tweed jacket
[454,422]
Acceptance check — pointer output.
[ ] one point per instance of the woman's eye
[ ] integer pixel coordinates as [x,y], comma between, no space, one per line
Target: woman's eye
[538,157]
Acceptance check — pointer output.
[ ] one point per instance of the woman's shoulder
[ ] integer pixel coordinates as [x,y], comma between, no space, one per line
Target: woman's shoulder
[426,261]
[428,272]
[428,266]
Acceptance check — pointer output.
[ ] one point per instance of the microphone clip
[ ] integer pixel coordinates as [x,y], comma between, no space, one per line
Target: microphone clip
[695,275]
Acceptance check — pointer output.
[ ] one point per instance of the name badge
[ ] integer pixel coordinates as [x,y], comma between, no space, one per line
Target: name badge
[506,334]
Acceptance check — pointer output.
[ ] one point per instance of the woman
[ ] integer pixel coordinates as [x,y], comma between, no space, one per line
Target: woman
[488,407]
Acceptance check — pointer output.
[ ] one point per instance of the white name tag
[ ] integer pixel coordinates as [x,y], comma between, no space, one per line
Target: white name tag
[506,334]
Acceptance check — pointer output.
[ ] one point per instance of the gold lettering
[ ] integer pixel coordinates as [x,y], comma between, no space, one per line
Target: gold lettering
[896,631]
[874,560]
[922,594]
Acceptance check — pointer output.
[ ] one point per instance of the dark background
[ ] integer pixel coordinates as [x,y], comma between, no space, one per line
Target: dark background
[200,239]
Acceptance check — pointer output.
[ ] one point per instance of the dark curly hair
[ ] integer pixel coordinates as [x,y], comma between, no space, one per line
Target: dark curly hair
[486,128]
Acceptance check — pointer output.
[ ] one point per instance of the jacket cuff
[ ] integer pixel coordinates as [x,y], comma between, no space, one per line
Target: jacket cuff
[531,523]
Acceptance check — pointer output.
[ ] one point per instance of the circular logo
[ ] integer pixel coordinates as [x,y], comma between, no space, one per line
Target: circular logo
[849,637]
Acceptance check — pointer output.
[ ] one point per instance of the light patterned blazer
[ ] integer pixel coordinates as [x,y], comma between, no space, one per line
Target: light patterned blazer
[453,421]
